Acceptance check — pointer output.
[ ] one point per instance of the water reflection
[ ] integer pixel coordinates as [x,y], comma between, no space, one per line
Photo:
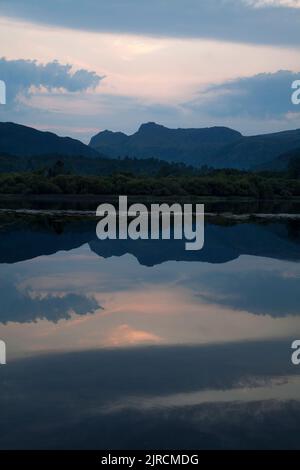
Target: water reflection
[27,237]
[126,345]
[22,307]
[239,395]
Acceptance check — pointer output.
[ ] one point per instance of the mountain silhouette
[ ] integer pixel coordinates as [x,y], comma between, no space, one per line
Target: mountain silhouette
[218,147]
[281,163]
[191,146]
[222,244]
[24,141]
[22,240]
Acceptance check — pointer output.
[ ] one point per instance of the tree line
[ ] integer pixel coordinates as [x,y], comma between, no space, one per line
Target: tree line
[148,177]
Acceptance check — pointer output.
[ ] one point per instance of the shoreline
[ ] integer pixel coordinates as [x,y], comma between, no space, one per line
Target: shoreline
[227,208]
[92,214]
[96,197]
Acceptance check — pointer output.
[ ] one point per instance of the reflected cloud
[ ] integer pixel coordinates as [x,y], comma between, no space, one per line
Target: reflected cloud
[124,335]
[212,396]
[22,307]
[263,293]
[282,389]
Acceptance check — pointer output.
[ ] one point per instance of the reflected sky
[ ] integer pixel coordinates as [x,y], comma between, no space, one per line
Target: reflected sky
[235,395]
[78,300]
[98,345]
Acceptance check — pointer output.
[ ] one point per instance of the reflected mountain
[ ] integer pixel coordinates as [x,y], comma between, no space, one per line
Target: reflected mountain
[223,243]
[27,237]
[215,377]
[23,238]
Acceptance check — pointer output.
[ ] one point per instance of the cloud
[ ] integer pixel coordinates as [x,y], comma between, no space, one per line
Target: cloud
[249,21]
[262,96]
[278,296]
[124,335]
[273,3]
[254,104]
[83,115]
[20,307]
[21,76]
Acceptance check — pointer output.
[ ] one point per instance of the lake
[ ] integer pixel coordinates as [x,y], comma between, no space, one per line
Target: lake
[144,345]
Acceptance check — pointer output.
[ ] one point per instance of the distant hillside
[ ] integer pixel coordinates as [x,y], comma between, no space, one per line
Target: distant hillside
[100,166]
[218,147]
[282,162]
[191,146]
[215,147]
[19,140]
[250,152]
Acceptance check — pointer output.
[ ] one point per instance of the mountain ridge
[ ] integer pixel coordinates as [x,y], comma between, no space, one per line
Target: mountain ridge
[19,140]
[215,147]
[218,146]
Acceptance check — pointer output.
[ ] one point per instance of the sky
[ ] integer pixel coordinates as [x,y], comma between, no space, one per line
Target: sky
[76,68]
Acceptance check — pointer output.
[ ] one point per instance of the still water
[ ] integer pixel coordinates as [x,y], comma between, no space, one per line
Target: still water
[141,344]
